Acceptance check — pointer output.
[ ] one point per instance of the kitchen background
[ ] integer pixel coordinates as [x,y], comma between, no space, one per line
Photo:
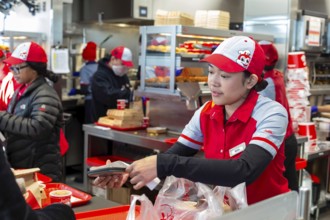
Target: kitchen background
[72,23]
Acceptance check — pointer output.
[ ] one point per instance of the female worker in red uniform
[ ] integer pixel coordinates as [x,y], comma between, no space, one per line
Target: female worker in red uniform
[242,132]
[276,91]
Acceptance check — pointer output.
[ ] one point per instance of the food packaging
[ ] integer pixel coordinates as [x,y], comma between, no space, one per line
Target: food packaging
[156,130]
[61,196]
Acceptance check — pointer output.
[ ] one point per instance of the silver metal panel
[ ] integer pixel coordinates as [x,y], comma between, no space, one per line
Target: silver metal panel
[276,18]
[255,9]
[173,115]
[57,23]
[282,207]
[279,29]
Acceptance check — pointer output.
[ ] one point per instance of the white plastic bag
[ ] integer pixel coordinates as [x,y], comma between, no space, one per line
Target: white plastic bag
[147,210]
[231,198]
[185,200]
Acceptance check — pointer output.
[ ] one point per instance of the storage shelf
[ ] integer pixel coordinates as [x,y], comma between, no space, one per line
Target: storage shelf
[165,40]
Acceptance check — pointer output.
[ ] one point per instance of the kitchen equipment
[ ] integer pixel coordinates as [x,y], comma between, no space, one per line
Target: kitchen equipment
[308,129]
[322,128]
[191,91]
[103,42]
[303,203]
[311,31]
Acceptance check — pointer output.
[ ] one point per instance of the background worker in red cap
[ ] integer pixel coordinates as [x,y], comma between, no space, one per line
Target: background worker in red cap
[110,81]
[33,118]
[86,74]
[242,132]
[7,82]
[276,91]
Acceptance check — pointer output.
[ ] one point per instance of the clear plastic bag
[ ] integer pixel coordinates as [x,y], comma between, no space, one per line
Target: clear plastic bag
[231,198]
[147,210]
[183,199]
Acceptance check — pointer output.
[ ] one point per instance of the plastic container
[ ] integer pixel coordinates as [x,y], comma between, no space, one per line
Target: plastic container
[316,189]
[101,160]
[60,196]
[77,198]
[300,163]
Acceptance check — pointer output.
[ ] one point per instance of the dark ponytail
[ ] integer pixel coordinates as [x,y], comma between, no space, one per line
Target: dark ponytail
[261,85]
[41,69]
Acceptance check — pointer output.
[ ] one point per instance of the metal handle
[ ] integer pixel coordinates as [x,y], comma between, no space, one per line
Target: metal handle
[304,203]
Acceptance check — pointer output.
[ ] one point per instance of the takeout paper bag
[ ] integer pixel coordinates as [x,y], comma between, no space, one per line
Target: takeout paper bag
[31,200]
[35,194]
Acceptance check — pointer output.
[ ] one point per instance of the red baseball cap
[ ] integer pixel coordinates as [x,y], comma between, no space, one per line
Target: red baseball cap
[270,52]
[124,54]
[89,52]
[237,54]
[30,51]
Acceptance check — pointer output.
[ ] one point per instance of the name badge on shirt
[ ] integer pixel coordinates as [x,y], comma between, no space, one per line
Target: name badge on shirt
[238,149]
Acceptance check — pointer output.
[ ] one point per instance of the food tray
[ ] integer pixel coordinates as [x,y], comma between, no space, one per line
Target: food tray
[300,163]
[43,178]
[170,140]
[101,160]
[114,213]
[78,197]
[119,128]
[192,55]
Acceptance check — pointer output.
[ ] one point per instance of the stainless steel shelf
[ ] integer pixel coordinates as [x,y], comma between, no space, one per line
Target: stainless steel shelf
[212,33]
[175,35]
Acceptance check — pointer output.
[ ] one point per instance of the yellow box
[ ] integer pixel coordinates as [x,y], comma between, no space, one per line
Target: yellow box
[173,18]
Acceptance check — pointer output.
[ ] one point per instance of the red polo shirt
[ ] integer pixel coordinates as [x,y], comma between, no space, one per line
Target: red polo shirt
[257,121]
[276,91]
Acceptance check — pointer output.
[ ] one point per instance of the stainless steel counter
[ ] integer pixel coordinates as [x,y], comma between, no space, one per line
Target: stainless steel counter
[138,138]
[323,150]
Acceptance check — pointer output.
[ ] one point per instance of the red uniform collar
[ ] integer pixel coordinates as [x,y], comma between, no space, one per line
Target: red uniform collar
[243,113]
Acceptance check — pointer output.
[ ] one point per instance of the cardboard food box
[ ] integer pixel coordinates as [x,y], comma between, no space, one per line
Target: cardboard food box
[156,130]
[127,118]
[34,194]
[173,18]
[27,174]
[123,194]
[120,123]
[126,114]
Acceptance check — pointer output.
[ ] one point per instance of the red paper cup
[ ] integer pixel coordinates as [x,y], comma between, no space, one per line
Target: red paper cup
[61,196]
[296,60]
[121,104]
[145,122]
[308,129]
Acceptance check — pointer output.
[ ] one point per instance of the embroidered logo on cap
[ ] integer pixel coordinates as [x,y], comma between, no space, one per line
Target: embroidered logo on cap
[23,55]
[244,58]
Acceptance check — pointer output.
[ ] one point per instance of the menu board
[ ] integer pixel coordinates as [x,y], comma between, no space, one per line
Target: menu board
[314,32]
[60,60]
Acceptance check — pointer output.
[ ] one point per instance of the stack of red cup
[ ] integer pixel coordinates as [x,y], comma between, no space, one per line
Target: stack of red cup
[297,88]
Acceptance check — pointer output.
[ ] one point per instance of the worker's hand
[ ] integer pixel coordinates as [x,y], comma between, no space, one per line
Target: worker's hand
[314,109]
[125,91]
[112,181]
[142,171]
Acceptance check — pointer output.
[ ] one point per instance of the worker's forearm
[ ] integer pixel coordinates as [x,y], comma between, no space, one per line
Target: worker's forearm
[323,108]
